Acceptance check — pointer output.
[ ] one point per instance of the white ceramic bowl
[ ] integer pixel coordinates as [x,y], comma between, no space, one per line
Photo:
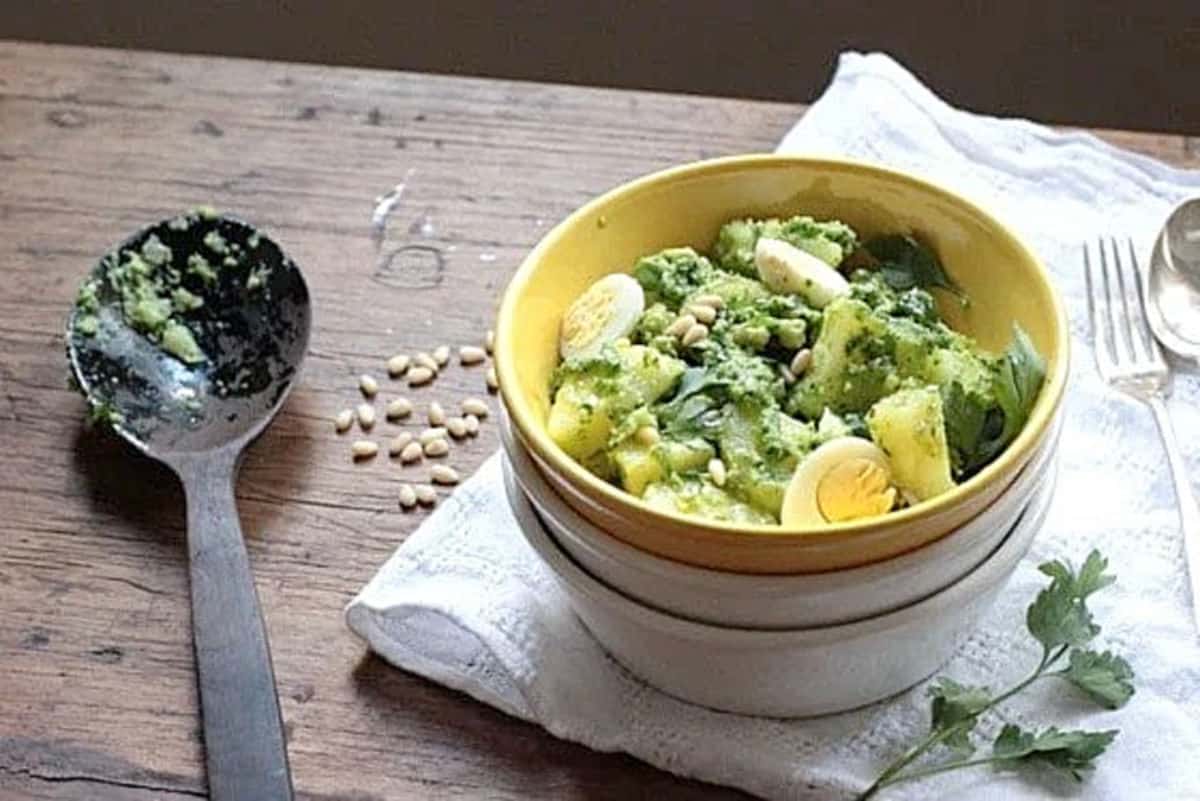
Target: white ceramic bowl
[792,673]
[773,602]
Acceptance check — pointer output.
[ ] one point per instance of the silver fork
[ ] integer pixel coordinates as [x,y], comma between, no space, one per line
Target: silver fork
[1130,360]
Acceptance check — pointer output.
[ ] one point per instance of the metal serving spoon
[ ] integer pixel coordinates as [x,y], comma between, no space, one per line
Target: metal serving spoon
[1173,282]
[197,419]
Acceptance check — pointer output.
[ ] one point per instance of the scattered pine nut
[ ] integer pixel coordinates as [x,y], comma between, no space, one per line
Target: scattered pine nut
[647,435]
[472,423]
[441,355]
[427,361]
[400,407]
[343,421]
[716,469]
[398,365]
[703,314]
[363,449]
[420,375]
[408,496]
[368,385]
[476,407]
[471,354]
[443,474]
[800,362]
[715,301]
[399,443]
[457,426]
[430,434]
[437,415]
[788,376]
[412,453]
[697,333]
[437,447]
[489,341]
[366,415]
[493,383]
[426,494]
[681,325]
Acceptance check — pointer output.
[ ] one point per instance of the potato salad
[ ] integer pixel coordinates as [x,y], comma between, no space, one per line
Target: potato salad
[793,374]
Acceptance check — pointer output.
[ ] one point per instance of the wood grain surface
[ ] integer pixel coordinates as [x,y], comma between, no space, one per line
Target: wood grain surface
[97,689]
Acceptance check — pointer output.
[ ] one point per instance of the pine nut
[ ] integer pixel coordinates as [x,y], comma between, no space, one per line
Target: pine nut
[400,407]
[399,443]
[426,361]
[420,375]
[398,365]
[716,469]
[363,449]
[680,326]
[493,383]
[787,375]
[489,341]
[441,355]
[472,423]
[430,434]
[470,354]
[443,474]
[426,494]
[457,427]
[411,453]
[408,496]
[438,447]
[801,361]
[696,333]
[475,406]
[366,415]
[715,301]
[647,435]
[437,415]
[343,421]
[703,314]
[368,385]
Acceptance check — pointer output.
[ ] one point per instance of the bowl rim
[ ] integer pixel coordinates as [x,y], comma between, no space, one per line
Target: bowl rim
[991,571]
[622,503]
[757,585]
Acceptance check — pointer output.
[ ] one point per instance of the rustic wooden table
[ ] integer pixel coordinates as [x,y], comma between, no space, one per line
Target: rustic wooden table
[97,690]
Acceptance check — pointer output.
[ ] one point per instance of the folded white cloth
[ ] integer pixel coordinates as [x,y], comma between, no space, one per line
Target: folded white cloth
[465,602]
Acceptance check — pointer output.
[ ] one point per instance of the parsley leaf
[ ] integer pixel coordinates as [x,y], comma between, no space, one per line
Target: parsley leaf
[1105,677]
[905,263]
[1073,751]
[957,706]
[1019,378]
[1059,615]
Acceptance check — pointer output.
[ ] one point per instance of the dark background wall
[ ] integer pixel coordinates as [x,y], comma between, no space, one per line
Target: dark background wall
[1114,64]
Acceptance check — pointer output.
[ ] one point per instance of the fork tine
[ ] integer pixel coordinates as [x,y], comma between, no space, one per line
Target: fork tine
[1097,313]
[1118,325]
[1154,350]
[1136,327]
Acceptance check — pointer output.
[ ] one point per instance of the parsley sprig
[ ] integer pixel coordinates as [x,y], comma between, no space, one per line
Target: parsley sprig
[1059,619]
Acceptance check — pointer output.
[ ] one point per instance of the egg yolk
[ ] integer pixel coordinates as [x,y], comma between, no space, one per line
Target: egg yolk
[854,489]
[587,315]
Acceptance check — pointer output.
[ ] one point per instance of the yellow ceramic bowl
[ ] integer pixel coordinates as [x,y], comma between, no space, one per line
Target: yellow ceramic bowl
[686,206]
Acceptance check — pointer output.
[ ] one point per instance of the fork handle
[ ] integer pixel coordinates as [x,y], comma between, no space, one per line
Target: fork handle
[1189,512]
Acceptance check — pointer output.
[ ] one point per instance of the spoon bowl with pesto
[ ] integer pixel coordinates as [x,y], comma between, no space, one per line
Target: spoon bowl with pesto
[186,340]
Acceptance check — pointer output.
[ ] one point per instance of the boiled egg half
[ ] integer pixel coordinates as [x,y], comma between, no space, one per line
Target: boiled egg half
[846,478]
[787,269]
[605,312]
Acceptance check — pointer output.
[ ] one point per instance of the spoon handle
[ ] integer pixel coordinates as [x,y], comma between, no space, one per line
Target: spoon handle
[1189,512]
[243,729]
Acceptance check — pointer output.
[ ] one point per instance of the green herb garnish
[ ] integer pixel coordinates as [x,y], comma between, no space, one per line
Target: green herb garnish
[1059,619]
[905,263]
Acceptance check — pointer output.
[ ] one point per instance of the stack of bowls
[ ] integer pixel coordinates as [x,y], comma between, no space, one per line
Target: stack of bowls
[764,619]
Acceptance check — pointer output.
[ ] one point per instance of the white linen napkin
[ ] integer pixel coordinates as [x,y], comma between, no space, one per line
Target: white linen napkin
[465,602]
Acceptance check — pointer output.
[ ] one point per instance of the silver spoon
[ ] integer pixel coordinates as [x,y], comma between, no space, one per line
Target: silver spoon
[1173,282]
[197,418]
